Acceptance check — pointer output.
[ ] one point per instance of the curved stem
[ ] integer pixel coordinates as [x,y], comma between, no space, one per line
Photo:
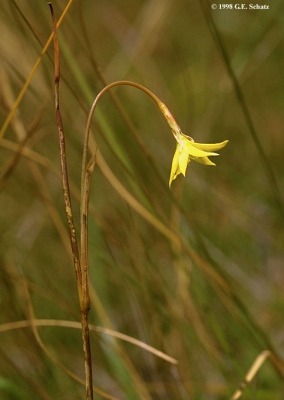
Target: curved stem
[86,170]
[85,190]
[170,119]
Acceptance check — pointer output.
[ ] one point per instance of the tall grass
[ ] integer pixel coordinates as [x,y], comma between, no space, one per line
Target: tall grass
[201,279]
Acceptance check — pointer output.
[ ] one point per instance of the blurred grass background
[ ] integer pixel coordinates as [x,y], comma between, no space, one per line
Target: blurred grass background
[214,300]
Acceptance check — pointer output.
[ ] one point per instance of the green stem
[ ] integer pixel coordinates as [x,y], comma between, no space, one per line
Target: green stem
[85,174]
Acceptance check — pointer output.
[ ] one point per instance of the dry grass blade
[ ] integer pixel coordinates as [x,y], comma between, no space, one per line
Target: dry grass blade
[31,75]
[76,325]
[258,362]
[32,323]
[81,273]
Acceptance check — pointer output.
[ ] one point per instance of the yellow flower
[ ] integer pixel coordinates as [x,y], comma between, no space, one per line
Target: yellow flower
[187,149]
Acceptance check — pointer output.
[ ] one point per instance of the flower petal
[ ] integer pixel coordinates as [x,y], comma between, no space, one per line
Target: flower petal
[183,160]
[204,160]
[175,167]
[210,147]
[192,150]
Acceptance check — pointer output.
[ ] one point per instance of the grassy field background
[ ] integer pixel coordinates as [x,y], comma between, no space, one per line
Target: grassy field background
[212,298]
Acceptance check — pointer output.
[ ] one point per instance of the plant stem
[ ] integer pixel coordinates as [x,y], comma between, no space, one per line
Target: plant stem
[81,273]
[87,169]
[85,191]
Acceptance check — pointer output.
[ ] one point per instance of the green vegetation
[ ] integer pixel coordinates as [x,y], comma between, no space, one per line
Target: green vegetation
[195,272]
